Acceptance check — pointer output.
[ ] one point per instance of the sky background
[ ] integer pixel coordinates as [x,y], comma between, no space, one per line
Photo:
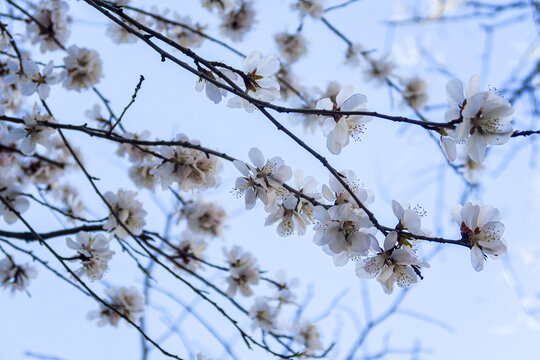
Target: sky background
[473,315]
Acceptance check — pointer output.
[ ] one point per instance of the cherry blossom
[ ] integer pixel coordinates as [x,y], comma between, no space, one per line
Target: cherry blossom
[307,334]
[51,29]
[15,277]
[189,251]
[263,314]
[10,192]
[236,22]
[243,271]
[485,117]
[481,226]
[94,253]
[260,81]
[262,180]
[313,8]
[129,302]
[291,46]
[394,263]
[204,217]
[33,133]
[83,68]
[344,232]
[339,129]
[190,168]
[128,213]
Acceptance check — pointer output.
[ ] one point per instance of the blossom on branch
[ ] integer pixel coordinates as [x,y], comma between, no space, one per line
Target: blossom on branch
[397,262]
[484,117]
[127,214]
[94,253]
[481,227]
[262,180]
[339,128]
[259,80]
[83,68]
[15,277]
[129,302]
[243,271]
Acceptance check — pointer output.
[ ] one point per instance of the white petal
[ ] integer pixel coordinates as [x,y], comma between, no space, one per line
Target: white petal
[477,258]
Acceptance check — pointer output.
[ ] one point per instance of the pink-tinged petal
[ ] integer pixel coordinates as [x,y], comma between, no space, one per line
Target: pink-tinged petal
[448,146]
[472,86]
[354,102]
[477,258]
[454,92]
[476,147]
[390,240]
[256,157]
[345,93]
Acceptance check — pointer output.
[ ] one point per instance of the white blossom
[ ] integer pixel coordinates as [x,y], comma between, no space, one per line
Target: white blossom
[10,192]
[15,277]
[184,36]
[94,253]
[204,217]
[291,46]
[191,169]
[307,334]
[262,180]
[31,79]
[260,80]
[379,70]
[410,218]
[263,314]
[127,301]
[219,5]
[51,28]
[236,23]
[83,68]
[337,194]
[485,117]
[415,92]
[214,92]
[339,129]
[345,233]
[313,8]
[129,212]
[243,271]
[189,251]
[295,213]
[32,133]
[395,263]
[481,226]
